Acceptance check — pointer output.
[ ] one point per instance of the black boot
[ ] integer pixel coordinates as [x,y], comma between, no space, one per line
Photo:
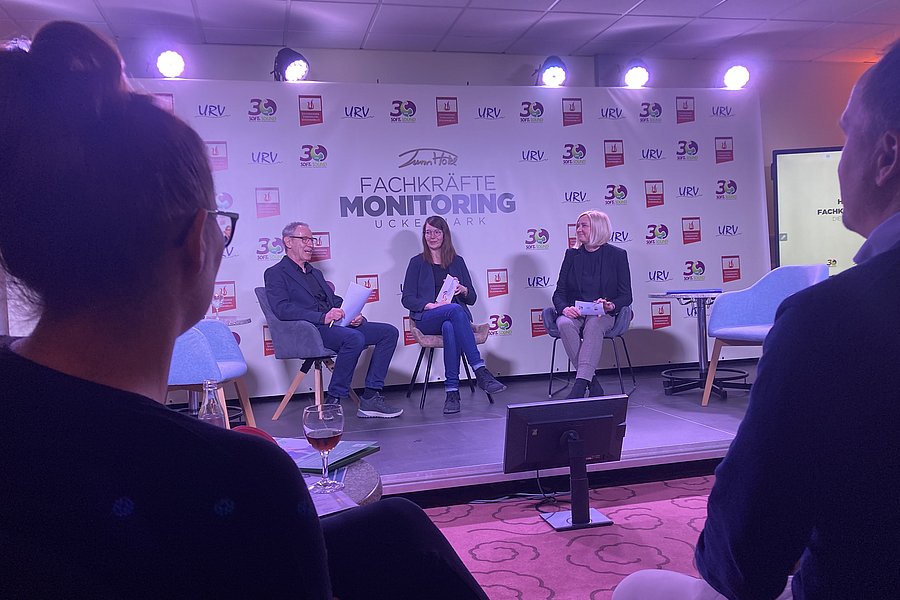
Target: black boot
[579,388]
[596,388]
[486,381]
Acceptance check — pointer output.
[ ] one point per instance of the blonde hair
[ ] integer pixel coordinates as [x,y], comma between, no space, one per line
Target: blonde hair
[601,228]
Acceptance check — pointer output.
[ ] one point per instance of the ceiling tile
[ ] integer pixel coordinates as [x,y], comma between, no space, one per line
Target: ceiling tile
[851,55]
[750,9]
[248,37]
[481,22]
[641,29]
[618,50]
[324,39]
[837,35]
[242,14]
[668,8]
[408,43]
[328,17]
[458,43]
[676,51]
[51,10]
[401,20]
[172,34]
[176,13]
[452,3]
[561,33]
[830,10]
[713,31]
[773,35]
[884,12]
[881,41]
[592,6]
[541,5]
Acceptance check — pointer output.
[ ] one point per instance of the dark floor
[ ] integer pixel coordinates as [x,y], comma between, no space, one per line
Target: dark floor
[427,450]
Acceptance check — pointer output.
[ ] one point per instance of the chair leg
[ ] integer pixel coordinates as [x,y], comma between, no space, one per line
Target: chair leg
[220,394]
[427,375]
[412,380]
[618,365]
[319,384]
[628,358]
[711,372]
[290,393]
[552,366]
[469,374]
[244,397]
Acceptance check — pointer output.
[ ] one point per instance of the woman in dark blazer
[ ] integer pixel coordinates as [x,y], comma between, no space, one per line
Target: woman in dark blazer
[450,318]
[593,271]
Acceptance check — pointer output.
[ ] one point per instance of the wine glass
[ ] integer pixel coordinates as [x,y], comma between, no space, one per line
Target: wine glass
[323,426]
[217,300]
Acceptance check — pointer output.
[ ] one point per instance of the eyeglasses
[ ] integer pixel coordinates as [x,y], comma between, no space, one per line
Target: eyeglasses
[227,222]
[434,233]
[304,239]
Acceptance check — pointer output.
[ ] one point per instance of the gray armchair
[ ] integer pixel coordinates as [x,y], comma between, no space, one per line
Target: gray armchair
[623,322]
[298,339]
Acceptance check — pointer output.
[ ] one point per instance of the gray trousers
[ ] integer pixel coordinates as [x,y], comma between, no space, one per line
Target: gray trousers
[583,341]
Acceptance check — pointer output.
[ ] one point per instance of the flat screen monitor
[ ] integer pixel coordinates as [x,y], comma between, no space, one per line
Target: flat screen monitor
[535,432]
[809,211]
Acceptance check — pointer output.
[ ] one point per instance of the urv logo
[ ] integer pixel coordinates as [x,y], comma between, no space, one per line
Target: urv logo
[619,237]
[576,196]
[489,112]
[652,154]
[532,112]
[612,113]
[533,156]
[264,158]
[722,111]
[313,155]
[687,150]
[538,282]
[403,111]
[729,230]
[689,191]
[357,112]
[211,111]
[658,276]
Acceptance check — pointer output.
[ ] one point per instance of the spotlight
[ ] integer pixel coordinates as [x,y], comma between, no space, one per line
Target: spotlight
[637,76]
[290,65]
[736,77]
[17,44]
[553,72]
[170,64]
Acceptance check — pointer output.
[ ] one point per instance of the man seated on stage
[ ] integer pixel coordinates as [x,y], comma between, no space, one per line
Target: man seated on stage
[297,291]
[813,473]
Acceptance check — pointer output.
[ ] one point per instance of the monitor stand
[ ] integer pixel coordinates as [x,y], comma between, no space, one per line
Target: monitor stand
[581,516]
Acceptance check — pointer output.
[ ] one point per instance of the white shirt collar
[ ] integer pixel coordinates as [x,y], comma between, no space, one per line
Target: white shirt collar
[884,237]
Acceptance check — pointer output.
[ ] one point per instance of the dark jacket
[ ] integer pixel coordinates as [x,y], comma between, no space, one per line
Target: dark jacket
[615,277]
[418,285]
[290,297]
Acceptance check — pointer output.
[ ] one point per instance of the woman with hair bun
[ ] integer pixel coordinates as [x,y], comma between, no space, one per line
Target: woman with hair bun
[592,271]
[107,223]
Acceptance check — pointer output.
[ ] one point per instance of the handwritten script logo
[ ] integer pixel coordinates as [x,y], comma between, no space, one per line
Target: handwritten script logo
[428,157]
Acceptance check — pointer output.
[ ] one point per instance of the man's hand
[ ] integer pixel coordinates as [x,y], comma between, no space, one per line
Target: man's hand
[335,314]
[571,312]
[357,321]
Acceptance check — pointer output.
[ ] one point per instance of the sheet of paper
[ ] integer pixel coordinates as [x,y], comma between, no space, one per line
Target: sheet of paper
[446,293]
[589,308]
[354,301]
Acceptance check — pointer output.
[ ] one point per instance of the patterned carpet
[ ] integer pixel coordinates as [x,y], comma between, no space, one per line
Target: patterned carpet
[514,554]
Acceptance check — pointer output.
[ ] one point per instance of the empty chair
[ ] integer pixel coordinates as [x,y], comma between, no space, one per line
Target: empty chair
[617,332]
[430,342]
[744,317]
[208,351]
[298,339]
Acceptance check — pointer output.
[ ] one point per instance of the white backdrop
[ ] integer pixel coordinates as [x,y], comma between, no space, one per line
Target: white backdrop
[678,171]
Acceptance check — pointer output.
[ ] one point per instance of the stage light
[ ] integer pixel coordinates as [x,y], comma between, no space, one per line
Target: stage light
[553,72]
[637,76]
[170,64]
[290,65]
[736,77]
[20,44]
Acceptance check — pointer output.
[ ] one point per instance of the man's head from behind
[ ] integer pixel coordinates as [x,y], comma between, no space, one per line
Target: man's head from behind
[870,163]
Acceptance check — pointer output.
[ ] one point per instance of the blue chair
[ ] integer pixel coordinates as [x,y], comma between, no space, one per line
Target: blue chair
[617,332]
[744,317]
[208,351]
[298,339]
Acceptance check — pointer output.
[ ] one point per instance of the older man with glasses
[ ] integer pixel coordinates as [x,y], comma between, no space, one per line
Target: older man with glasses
[298,291]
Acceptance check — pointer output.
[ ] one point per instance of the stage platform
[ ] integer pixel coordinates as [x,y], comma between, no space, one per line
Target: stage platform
[427,450]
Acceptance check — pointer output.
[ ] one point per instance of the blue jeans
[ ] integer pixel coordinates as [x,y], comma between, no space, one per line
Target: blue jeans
[349,343]
[451,322]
